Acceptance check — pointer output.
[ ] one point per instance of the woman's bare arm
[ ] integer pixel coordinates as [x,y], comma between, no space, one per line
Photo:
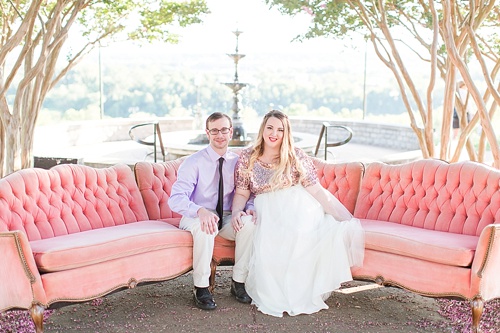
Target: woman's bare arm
[330,203]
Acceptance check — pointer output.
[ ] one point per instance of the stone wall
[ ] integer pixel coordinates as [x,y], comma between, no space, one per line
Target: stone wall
[365,132]
[107,130]
[110,130]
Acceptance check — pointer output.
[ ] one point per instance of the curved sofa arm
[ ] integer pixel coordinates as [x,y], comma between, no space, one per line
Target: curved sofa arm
[486,265]
[21,285]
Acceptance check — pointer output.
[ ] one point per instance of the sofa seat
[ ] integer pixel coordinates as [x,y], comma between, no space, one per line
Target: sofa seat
[99,245]
[430,245]
[175,221]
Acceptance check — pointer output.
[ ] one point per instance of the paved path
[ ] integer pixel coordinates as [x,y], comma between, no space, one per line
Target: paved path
[168,307]
[130,152]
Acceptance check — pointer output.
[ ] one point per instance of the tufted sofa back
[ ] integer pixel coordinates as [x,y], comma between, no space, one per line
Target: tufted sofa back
[68,198]
[155,182]
[460,198]
[342,180]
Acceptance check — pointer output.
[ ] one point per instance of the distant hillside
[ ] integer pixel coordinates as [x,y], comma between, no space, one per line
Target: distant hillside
[165,80]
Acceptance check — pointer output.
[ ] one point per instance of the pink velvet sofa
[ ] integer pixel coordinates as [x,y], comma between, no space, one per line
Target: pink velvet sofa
[431,227]
[74,233]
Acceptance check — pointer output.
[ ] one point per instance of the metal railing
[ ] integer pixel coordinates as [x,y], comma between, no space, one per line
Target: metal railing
[156,138]
[324,134]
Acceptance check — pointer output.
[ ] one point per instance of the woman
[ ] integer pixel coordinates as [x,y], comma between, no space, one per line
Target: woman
[306,240]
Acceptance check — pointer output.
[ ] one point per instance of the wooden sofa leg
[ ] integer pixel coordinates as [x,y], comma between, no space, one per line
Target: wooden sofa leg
[477,305]
[213,268]
[36,312]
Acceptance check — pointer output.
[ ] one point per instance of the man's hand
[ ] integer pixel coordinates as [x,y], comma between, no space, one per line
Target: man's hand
[209,221]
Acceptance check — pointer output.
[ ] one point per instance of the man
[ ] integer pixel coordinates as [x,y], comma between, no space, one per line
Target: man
[195,197]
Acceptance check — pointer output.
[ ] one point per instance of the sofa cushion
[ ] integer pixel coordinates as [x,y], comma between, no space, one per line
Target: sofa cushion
[99,245]
[435,246]
[175,221]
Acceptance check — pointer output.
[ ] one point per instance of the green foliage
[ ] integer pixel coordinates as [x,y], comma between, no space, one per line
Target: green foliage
[154,20]
[148,20]
[32,38]
[159,90]
[341,19]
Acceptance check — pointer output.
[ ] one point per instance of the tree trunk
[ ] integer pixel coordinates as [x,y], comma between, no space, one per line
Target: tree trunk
[12,142]
[2,148]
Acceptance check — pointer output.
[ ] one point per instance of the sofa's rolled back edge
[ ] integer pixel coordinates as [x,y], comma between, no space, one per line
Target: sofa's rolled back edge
[343,180]
[155,182]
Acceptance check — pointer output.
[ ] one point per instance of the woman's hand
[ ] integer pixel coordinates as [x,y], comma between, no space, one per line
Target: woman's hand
[239,200]
[254,215]
[236,220]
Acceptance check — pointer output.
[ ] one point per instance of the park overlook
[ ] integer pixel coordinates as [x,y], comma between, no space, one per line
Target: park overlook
[103,102]
[313,62]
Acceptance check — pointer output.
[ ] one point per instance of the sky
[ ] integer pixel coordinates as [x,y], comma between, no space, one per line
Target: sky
[266,34]
[266,42]
[264,30]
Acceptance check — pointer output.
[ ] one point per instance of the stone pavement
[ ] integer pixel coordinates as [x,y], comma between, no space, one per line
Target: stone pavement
[168,307]
[130,152]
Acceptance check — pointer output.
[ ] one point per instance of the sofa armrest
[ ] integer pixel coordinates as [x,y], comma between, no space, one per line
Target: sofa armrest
[21,282]
[486,264]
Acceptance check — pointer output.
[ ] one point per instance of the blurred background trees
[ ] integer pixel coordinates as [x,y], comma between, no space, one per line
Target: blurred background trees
[442,38]
[33,37]
[426,46]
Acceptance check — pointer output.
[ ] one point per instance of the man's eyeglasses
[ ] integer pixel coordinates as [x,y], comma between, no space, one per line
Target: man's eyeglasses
[223,130]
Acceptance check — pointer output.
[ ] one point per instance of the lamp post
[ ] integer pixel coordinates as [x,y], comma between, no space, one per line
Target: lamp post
[101,88]
[364,80]
[198,121]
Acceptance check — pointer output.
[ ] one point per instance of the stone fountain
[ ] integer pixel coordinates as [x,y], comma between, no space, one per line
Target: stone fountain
[182,143]
[240,137]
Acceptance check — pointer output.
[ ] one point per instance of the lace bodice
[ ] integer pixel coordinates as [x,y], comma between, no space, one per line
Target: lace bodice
[257,181]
